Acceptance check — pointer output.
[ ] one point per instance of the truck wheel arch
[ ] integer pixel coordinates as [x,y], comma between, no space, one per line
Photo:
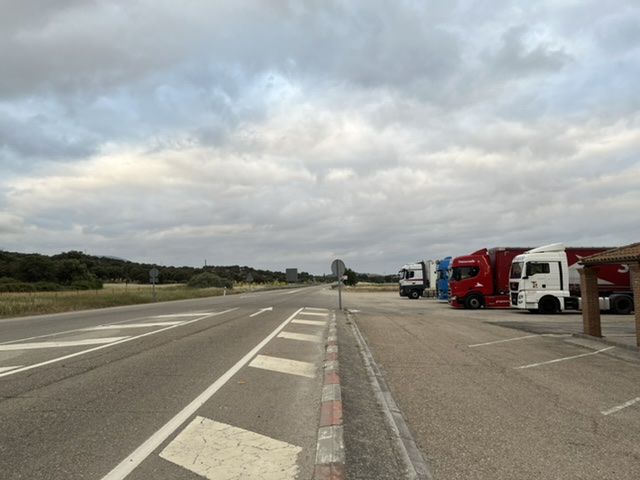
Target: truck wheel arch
[549,305]
[474,301]
[621,304]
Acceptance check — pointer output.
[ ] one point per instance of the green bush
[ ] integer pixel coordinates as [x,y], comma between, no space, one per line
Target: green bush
[88,284]
[208,280]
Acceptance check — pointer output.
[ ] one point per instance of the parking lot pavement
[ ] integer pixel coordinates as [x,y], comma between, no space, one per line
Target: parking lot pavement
[489,402]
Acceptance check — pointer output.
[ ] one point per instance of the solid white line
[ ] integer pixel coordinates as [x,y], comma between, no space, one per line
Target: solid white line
[300,336]
[4,369]
[318,323]
[620,407]
[284,365]
[132,325]
[565,358]
[60,344]
[317,314]
[128,339]
[501,341]
[127,465]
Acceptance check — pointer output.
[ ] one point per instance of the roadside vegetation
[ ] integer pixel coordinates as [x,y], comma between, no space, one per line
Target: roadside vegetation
[13,304]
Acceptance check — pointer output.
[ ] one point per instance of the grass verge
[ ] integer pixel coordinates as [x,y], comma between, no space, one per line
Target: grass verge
[112,295]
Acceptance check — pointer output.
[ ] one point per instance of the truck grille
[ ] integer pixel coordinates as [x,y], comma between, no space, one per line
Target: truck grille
[514,298]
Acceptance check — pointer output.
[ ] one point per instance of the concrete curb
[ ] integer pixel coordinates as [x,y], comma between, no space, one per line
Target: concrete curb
[330,456]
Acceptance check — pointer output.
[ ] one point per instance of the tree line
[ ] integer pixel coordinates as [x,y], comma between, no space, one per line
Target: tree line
[77,270]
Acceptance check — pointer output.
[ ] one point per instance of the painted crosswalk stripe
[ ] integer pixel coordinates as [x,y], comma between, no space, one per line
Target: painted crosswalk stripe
[316,314]
[315,308]
[284,365]
[132,325]
[300,336]
[60,344]
[6,369]
[218,451]
[318,323]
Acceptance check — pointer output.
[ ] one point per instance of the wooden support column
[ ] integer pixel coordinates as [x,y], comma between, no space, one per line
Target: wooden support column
[634,269]
[590,301]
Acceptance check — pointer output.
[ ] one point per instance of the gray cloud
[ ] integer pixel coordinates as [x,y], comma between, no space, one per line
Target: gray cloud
[284,133]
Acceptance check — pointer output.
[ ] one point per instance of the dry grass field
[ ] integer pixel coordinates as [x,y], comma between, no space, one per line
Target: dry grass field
[112,295]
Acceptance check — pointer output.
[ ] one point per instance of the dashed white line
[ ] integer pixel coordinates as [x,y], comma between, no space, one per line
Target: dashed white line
[317,323]
[60,344]
[620,407]
[531,365]
[131,325]
[284,365]
[300,336]
[127,465]
[6,369]
[94,349]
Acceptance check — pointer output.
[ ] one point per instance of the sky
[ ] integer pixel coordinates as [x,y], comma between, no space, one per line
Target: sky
[281,134]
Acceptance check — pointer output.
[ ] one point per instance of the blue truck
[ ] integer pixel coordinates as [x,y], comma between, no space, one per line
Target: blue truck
[442,282]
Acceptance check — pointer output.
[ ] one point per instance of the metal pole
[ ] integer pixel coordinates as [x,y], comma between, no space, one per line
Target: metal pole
[339,294]
[154,291]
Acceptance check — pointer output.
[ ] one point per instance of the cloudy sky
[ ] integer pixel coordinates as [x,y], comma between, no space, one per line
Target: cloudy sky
[277,133]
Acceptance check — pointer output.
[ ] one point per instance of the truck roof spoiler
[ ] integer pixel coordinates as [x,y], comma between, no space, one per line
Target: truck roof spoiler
[553,247]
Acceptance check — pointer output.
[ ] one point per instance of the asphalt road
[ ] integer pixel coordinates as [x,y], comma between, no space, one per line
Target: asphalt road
[189,389]
[503,394]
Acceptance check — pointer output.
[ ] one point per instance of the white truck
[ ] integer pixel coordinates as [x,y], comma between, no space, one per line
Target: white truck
[546,280]
[414,279]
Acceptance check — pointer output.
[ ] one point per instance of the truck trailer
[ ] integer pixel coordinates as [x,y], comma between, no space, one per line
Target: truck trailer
[547,280]
[482,278]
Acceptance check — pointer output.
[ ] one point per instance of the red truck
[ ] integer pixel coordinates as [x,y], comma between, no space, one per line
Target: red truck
[482,278]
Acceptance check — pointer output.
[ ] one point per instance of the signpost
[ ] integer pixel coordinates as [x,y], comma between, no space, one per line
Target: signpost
[338,268]
[154,273]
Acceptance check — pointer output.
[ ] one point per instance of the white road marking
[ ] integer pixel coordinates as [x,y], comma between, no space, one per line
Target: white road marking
[284,365]
[531,365]
[127,465]
[94,349]
[315,308]
[131,325]
[501,341]
[60,344]
[520,338]
[6,369]
[300,336]
[262,310]
[318,323]
[317,314]
[175,315]
[222,452]
[620,407]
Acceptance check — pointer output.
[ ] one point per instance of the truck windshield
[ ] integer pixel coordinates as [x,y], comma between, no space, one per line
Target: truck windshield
[462,273]
[516,270]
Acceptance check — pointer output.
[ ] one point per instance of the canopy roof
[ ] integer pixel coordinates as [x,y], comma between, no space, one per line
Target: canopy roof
[628,253]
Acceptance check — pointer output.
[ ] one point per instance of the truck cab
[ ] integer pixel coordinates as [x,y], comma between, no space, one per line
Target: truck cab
[539,279]
[412,280]
[442,278]
[470,280]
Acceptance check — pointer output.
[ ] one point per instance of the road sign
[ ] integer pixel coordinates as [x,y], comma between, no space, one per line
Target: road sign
[338,268]
[153,275]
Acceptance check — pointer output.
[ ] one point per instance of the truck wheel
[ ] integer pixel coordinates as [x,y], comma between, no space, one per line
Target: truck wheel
[621,305]
[414,294]
[548,305]
[473,302]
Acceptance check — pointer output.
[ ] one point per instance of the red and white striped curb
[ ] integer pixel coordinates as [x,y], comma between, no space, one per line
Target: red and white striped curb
[330,456]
